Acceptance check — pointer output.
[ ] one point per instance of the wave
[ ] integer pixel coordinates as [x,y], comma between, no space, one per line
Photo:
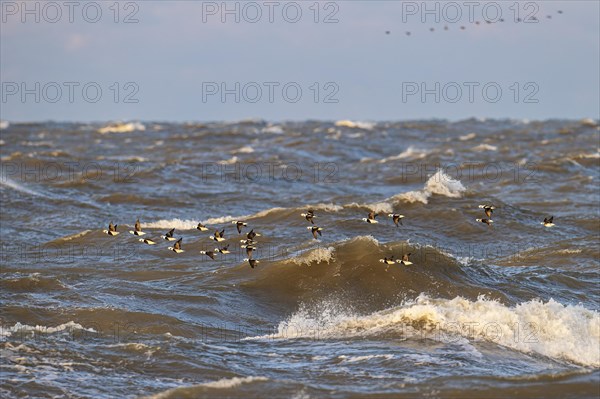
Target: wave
[354,359]
[75,236]
[10,183]
[315,256]
[350,269]
[24,328]
[467,137]
[190,224]
[355,124]
[409,153]
[191,391]
[4,124]
[122,128]
[273,129]
[561,332]
[440,184]
[243,150]
[31,282]
[229,161]
[485,147]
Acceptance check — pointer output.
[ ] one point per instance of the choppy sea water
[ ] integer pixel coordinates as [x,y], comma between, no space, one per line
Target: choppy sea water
[507,310]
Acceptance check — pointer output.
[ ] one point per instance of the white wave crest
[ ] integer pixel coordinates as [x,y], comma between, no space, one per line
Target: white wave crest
[468,136]
[122,128]
[485,147]
[355,124]
[440,184]
[24,328]
[223,383]
[561,332]
[243,150]
[319,255]
[188,224]
[409,153]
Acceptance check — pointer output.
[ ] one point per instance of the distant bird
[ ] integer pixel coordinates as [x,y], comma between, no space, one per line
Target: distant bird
[446,27]
[431,29]
[477,22]
[252,262]
[549,16]
[315,230]
[251,234]
[388,261]
[462,28]
[387,32]
[219,235]
[559,11]
[548,222]
[112,230]
[223,250]
[177,247]
[396,218]
[147,241]
[486,221]
[137,229]
[202,227]
[239,224]
[210,254]
[407,33]
[405,261]
[169,235]
[309,215]
[488,209]
[371,218]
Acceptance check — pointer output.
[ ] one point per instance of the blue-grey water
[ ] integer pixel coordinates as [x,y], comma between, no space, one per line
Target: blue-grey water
[507,310]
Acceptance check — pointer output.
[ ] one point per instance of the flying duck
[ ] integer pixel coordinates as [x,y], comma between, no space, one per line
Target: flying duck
[112,230]
[201,227]
[219,235]
[252,262]
[396,218]
[548,222]
[486,221]
[137,229]
[177,247]
[210,254]
[169,235]
[388,261]
[371,218]
[223,250]
[488,209]
[315,230]
[405,261]
[309,215]
[239,224]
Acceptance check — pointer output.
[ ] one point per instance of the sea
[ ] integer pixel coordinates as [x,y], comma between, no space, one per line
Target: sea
[509,309]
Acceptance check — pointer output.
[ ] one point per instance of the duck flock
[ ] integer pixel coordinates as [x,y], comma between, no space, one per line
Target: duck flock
[250,244]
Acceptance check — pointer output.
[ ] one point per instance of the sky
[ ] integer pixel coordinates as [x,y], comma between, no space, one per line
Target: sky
[280,60]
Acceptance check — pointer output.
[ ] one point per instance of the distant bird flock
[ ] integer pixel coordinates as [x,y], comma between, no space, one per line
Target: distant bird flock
[250,245]
[462,27]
